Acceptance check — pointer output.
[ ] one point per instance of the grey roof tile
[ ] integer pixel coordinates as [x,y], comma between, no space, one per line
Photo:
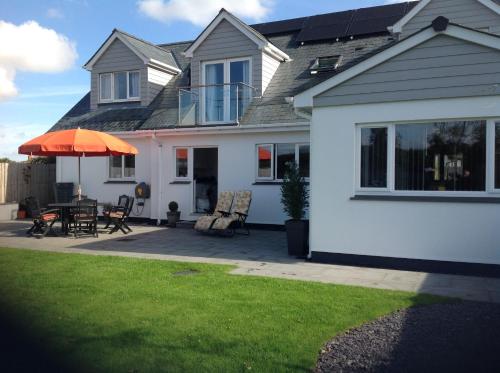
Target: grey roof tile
[289,79]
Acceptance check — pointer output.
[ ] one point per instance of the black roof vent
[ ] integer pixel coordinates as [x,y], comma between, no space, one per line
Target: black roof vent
[440,24]
[326,63]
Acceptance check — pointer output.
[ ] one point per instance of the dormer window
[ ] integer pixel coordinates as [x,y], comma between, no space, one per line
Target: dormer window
[326,63]
[119,86]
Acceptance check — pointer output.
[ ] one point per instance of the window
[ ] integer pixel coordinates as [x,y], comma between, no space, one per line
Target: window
[427,157]
[181,162]
[497,155]
[227,89]
[326,63]
[272,160]
[374,157]
[122,167]
[119,86]
[105,87]
[441,156]
[265,161]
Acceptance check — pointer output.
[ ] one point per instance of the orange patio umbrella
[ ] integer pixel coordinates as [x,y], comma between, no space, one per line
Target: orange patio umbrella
[77,143]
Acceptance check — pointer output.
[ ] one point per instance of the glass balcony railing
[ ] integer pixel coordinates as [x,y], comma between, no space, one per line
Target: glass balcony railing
[214,104]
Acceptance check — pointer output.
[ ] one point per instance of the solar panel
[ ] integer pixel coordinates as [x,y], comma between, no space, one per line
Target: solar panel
[331,26]
[325,26]
[278,27]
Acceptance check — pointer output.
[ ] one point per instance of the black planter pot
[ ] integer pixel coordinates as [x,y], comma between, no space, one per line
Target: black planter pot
[297,234]
[173,217]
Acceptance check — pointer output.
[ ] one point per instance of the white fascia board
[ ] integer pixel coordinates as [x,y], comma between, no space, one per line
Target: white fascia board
[163,66]
[491,5]
[107,44]
[277,127]
[275,52]
[305,99]
[397,27]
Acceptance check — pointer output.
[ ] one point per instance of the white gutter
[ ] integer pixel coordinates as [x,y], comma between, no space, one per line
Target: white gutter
[160,176]
[219,130]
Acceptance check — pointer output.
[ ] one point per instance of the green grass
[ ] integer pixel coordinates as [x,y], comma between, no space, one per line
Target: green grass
[125,315]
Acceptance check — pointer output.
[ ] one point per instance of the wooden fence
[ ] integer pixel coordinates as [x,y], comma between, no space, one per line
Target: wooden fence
[21,180]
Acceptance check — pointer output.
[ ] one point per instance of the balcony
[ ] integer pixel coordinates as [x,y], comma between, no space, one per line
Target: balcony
[214,104]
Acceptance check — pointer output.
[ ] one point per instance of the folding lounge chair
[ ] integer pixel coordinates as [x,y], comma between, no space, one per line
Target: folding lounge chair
[43,220]
[119,215]
[223,207]
[238,216]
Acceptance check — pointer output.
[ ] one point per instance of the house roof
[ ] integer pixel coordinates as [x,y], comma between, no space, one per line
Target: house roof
[440,26]
[290,79]
[145,50]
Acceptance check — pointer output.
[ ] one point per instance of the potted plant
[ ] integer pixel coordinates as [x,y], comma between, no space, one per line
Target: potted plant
[173,216]
[295,200]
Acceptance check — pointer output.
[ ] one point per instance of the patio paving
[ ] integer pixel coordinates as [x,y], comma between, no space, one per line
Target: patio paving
[263,253]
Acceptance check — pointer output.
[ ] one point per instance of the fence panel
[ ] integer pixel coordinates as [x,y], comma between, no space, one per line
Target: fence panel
[21,180]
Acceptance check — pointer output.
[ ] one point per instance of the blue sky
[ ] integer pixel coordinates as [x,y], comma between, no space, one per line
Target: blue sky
[43,97]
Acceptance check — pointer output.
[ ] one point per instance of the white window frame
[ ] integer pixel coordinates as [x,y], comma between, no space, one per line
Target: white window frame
[264,178]
[123,177]
[112,99]
[274,160]
[391,159]
[189,164]
[227,80]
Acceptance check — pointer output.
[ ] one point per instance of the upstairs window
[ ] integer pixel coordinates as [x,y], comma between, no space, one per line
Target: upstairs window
[119,86]
[326,63]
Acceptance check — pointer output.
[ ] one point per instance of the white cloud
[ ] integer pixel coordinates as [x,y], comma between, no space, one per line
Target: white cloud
[55,13]
[14,134]
[33,48]
[201,12]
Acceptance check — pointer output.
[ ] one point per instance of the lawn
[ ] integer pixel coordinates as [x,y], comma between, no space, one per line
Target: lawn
[99,313]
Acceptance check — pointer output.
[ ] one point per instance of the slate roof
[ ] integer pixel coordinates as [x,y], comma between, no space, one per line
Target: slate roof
[290,79]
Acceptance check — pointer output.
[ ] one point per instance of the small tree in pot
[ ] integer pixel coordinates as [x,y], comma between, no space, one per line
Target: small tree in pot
[173,216]
[295,200]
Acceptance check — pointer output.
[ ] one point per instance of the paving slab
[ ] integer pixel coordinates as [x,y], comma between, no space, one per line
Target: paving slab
[263,253]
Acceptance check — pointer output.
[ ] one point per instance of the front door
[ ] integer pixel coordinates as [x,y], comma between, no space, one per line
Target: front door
[205,179]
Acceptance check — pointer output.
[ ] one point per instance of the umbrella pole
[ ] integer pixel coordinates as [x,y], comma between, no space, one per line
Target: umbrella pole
[79,185]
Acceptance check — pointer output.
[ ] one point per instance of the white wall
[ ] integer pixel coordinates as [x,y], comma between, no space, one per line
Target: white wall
[466,232]
[237,164]
[94,174]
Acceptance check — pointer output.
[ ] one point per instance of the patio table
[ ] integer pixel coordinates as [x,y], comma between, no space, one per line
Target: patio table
[65,208]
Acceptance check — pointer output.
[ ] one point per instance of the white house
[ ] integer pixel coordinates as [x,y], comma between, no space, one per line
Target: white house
[405,166]
[398,107]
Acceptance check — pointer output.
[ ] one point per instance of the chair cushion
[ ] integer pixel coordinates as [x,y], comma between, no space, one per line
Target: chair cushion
[49,216]
[116,214]
[224,223]
[82,215]
[204,223]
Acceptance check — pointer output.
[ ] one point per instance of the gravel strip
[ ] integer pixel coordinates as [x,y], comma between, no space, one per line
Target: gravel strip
[458,337]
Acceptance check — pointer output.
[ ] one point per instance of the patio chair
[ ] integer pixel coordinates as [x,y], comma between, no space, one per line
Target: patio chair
[84,217]
[43,219]
[238,216]
[122,204]
[223,207]
[118,215]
